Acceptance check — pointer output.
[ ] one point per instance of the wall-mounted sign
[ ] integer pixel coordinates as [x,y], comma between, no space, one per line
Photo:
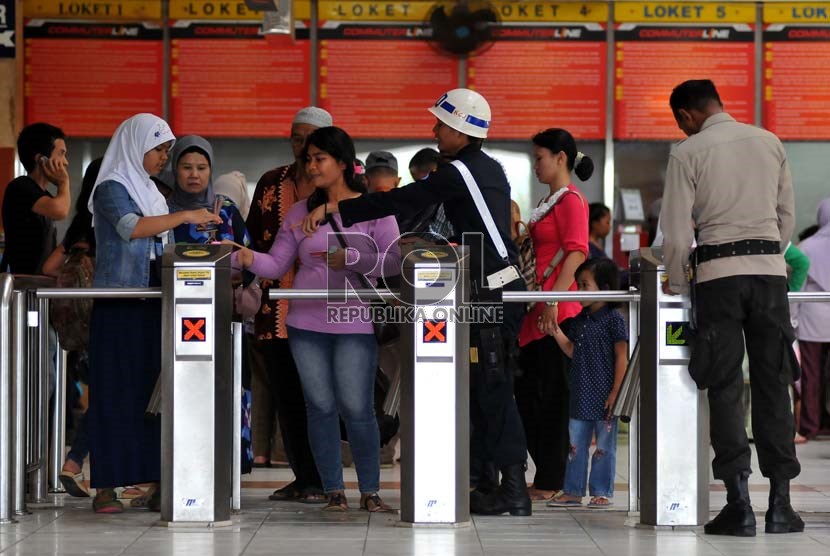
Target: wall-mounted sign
[94,10]
[378,75]
[557,78]
[684,12]
[661,44]
[88,77]
[228,79]
[797,70]
[7,22]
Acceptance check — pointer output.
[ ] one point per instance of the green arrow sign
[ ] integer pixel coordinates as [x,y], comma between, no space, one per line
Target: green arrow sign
[675,333]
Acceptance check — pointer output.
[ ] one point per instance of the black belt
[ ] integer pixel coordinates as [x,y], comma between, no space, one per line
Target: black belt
[705,253]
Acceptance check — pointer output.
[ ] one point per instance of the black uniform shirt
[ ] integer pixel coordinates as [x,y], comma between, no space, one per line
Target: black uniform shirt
[446,186]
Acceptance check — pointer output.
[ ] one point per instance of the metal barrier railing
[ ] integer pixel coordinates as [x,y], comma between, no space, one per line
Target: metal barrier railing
[16,392]
[6,497]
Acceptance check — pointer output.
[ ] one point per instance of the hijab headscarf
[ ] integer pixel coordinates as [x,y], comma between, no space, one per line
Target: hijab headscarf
[181,199]
[124,162]
[233,186]
[817,248]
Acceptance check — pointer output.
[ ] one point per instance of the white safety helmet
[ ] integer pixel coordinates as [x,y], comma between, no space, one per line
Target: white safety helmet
[463,110]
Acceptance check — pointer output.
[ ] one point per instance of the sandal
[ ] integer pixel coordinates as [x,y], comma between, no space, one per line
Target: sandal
[289,492]
[562,500]
[312,495]
[600,502]
[73,484]
[337,502]
[131,492]
[538,494]
[106,502]
[150,500]
[799,439]
[372,503]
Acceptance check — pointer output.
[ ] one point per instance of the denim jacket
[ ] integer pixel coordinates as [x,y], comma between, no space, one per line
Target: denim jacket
[120,260]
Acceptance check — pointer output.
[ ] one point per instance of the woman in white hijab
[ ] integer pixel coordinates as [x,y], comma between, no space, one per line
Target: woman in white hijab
[233,186]
[131,224]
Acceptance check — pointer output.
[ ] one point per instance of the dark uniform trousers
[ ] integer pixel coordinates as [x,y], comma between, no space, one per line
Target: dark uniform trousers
[497,434]
[730,310]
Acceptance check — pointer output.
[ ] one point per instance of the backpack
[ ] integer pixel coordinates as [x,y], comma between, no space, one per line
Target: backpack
[71,317]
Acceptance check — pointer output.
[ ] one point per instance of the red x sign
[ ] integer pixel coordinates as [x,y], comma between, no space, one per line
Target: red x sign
[193,330]
[435,331]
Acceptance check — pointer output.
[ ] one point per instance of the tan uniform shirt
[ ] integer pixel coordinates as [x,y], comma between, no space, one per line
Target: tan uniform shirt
[733,181]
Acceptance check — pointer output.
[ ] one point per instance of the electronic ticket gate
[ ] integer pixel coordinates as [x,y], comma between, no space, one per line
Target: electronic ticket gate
[197,378]
[674,414]
[435,394]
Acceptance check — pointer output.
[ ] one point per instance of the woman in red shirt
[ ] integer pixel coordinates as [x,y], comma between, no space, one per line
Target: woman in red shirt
[559,230]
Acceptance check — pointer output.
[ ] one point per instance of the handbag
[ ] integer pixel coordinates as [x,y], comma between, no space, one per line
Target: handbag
[247,300]
[385,332]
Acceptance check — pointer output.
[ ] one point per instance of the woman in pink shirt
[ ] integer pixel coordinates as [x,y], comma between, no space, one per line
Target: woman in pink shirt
[559,230]
[336,356]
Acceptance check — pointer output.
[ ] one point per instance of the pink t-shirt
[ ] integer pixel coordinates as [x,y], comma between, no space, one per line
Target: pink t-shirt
[372,251]
[564,227]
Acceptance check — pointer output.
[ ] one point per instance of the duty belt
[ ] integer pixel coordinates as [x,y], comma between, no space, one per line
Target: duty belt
[705,253]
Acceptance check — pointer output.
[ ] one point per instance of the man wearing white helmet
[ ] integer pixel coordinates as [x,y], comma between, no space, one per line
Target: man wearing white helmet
[462,122]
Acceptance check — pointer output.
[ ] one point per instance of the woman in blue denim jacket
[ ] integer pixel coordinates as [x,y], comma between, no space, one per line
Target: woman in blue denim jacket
[131,224]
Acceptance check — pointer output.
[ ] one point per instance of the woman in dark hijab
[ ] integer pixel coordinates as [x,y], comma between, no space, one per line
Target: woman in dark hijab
[192,181]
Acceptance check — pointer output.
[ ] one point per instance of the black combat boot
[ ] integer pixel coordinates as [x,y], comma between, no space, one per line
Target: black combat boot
[736,518]
[486,482]
[511,496]
[781,517]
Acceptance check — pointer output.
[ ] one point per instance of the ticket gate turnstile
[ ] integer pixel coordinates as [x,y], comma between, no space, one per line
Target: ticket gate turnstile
[197,379]
[435,395]
[674,414]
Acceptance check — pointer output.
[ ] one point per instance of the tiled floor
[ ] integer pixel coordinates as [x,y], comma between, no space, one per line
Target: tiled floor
[69,527]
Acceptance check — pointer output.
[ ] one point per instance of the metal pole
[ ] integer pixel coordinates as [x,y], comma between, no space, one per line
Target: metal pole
[6,498]
[20,407]
[31,379]
[40,484]
[236,463]
[623,296]
[58,437]
[99,293]
[634,421]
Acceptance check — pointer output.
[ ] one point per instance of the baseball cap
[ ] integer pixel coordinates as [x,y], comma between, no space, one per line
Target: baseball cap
[381,159]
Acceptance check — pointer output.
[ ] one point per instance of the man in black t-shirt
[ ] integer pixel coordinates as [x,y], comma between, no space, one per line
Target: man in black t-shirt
[29,209]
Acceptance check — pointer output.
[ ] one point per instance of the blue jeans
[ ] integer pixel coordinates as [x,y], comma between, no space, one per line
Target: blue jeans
[337,372]
[603,463]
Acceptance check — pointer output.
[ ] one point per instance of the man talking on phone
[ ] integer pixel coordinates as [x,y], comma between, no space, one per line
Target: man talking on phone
[29,208]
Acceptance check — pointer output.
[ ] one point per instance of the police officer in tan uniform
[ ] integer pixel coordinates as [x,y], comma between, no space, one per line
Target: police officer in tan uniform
[734,181]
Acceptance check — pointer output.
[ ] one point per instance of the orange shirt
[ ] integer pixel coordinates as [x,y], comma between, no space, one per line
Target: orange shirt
[564,227]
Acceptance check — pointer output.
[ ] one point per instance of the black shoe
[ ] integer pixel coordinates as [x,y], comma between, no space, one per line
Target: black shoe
[781,517]
[154,502]
[736,518]
[291,491]
[511,496]
[488,479]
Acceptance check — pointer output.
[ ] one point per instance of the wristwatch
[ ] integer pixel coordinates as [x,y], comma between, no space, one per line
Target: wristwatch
[552,303]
